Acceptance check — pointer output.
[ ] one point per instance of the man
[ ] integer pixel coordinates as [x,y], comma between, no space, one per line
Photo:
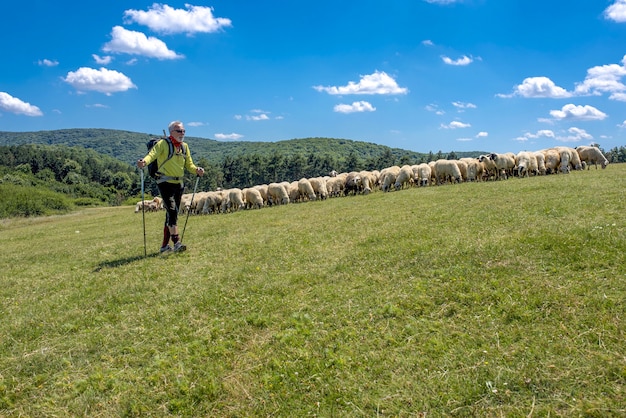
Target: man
[170,179]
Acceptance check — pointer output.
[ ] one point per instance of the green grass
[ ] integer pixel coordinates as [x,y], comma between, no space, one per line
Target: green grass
[488,299]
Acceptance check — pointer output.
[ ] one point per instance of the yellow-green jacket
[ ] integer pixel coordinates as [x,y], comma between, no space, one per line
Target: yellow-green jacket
[172,170]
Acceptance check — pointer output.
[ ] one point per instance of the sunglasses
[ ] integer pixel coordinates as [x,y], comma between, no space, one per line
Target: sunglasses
[180,131]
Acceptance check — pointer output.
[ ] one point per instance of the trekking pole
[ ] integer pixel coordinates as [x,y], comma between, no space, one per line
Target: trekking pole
[190,205]
[143,215]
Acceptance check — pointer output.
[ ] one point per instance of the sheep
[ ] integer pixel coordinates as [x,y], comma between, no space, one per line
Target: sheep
[319,187]
[368,181]
[404,178]
[592,155]
[522,162]
[462,168]
[505,164]
[277,194]
[388,177]
[489,166]
[148,206]
[424,173]
[569,159]
[335,186]
[474,169]
[293,191]
[353,183]
[552,160]
[447,169]
[306,189]
[541,162]
[262,188]
[213,202]
[253,198]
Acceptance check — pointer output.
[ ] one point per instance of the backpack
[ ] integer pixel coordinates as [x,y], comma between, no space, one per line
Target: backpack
[153,167]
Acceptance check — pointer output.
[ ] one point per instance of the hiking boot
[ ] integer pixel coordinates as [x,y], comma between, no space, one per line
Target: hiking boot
[179,247]
[166,249]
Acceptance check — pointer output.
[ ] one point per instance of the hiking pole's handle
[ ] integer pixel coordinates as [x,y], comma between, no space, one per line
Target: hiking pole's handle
[164,134]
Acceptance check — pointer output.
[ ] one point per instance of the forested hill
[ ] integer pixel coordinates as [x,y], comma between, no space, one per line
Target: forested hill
[128,146]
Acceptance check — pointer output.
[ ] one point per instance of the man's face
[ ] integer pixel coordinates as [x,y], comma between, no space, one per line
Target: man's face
[178,132]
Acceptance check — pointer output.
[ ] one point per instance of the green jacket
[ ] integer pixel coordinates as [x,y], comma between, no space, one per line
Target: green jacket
[175,166]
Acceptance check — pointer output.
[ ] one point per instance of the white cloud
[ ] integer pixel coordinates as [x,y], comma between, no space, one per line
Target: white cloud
[482,134]
[360,106]
[435,109]
[196,124]
[12,104]
[533,87]
[258,117]
[377,83]
[616,11]
[442,1]
[48,63]
[136,43]
[574,112]
[98,106]
[464,60]
[102,80]
[232,137]
[544,133]
[464,139]
[162,18]
[462,106]
[603,79]
[428,42]
[576,135]
[106,60]
[455,125]
[622,125]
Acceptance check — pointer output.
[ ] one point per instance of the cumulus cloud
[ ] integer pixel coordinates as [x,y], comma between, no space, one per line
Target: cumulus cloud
[360,106]
[534,87]
[482,134]
[622,125]
[603,79]
[455,125]
[616,11]
[124,41]
[12,104]
[574,112]
[464,60]
[231,137]
[435,109]
[102,80]
[164,19]
[575,135]
[544,133]
[106,60]
[48,63]
[377,83]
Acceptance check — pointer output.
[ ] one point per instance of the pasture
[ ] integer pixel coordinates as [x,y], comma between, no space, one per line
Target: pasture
[502,298]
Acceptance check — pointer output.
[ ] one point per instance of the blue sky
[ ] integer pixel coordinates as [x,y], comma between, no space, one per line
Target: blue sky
[422,75]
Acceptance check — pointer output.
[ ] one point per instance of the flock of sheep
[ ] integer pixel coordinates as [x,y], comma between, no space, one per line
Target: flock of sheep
[486,167]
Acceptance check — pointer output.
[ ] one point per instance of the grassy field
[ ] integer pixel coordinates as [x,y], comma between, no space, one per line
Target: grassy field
[487,299]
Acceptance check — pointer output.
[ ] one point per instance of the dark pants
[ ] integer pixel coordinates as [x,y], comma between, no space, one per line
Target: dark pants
[171,194]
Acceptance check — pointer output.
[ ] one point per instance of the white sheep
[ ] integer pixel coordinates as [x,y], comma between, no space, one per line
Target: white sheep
[424,173]
[353,183]
[462,168]
[277,194]
[541,162]
[447,170]
[505,164]
[489,166]
[213,202]
[474,169]
[305,189]
[253,198]
[552,160]
[262,188]
[592,155]
[522,162]
[319,187]
[404,179]
[388,177]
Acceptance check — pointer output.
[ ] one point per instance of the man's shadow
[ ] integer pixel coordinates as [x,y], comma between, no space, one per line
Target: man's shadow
[122,261]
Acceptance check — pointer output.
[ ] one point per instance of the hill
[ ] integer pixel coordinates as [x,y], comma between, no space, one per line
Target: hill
[127,146]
